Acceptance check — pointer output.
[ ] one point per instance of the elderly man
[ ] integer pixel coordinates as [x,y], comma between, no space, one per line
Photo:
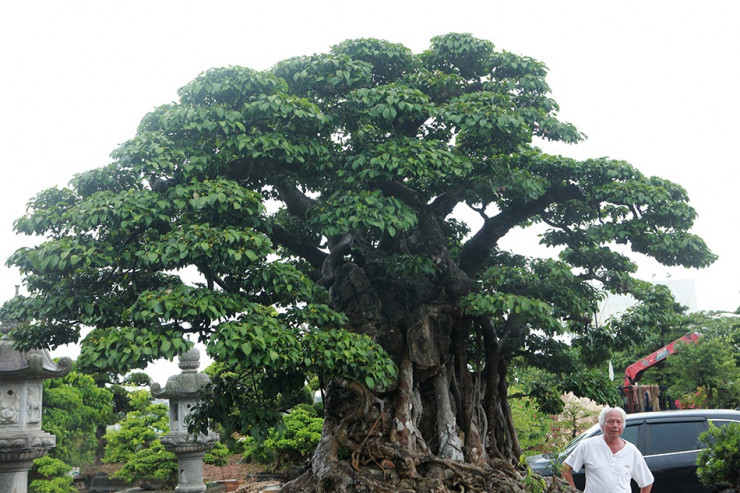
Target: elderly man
[610,461]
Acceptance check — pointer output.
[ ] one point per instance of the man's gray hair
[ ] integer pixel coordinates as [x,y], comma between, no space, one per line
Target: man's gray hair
[607,410]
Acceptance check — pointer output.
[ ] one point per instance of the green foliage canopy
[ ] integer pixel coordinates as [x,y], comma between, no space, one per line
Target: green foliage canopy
[153,462]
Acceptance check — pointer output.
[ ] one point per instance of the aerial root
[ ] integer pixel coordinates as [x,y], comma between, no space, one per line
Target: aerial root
[356,453]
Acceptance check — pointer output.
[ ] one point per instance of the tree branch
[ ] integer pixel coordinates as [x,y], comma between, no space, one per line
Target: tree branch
[296,201]
[339,248]
[446,202]
[476,250]
[297,245]
[400,191]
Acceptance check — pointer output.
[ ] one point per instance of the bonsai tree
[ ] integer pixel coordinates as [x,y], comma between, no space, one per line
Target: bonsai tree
[54,476]
[342,215]
[136,442]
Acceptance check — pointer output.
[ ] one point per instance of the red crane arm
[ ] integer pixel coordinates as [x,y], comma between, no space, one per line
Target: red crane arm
[634,371]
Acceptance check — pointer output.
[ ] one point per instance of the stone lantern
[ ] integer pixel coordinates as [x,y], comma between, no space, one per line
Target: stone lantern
[183,391]
[21,437]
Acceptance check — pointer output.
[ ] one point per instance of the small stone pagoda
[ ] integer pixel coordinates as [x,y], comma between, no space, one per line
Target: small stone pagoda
[183,391]
[21,437]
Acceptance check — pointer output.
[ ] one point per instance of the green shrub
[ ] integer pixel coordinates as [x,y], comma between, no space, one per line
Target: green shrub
[218,455]
[533,427]
[56,478]
[532,482]
[719,463]
[254,452]
[293,443]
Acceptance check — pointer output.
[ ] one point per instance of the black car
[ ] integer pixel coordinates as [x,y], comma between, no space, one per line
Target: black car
[669,441]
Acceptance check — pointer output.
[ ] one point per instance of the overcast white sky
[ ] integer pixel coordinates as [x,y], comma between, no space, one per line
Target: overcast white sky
[650,82]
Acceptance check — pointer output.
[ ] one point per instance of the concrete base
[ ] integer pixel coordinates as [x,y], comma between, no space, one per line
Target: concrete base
[14,481]
[14,470]
[190,472]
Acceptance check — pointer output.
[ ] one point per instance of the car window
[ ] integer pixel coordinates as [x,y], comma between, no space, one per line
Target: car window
[665,438]
[720,422]
[630,434]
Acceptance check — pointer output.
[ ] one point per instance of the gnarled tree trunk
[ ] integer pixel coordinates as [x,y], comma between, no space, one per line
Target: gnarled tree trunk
[445,425]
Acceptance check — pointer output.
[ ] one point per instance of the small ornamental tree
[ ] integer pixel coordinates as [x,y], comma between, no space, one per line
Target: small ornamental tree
[153,462]
[341,215]
[136,432]
[74,408]
[136,442]
[719,462]
[218,455]
[54,476]
[292,443]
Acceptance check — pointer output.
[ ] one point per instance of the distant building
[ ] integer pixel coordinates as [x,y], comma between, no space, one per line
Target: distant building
[683,290]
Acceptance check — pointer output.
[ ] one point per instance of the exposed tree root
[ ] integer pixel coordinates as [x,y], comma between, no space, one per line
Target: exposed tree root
[435,475]
[380,467]
[366,447]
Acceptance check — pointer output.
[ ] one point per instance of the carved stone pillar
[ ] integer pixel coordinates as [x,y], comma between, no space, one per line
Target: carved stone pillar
[183,391]
[21,438]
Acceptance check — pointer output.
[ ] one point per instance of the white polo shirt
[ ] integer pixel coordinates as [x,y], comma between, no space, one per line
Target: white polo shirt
[607,472]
